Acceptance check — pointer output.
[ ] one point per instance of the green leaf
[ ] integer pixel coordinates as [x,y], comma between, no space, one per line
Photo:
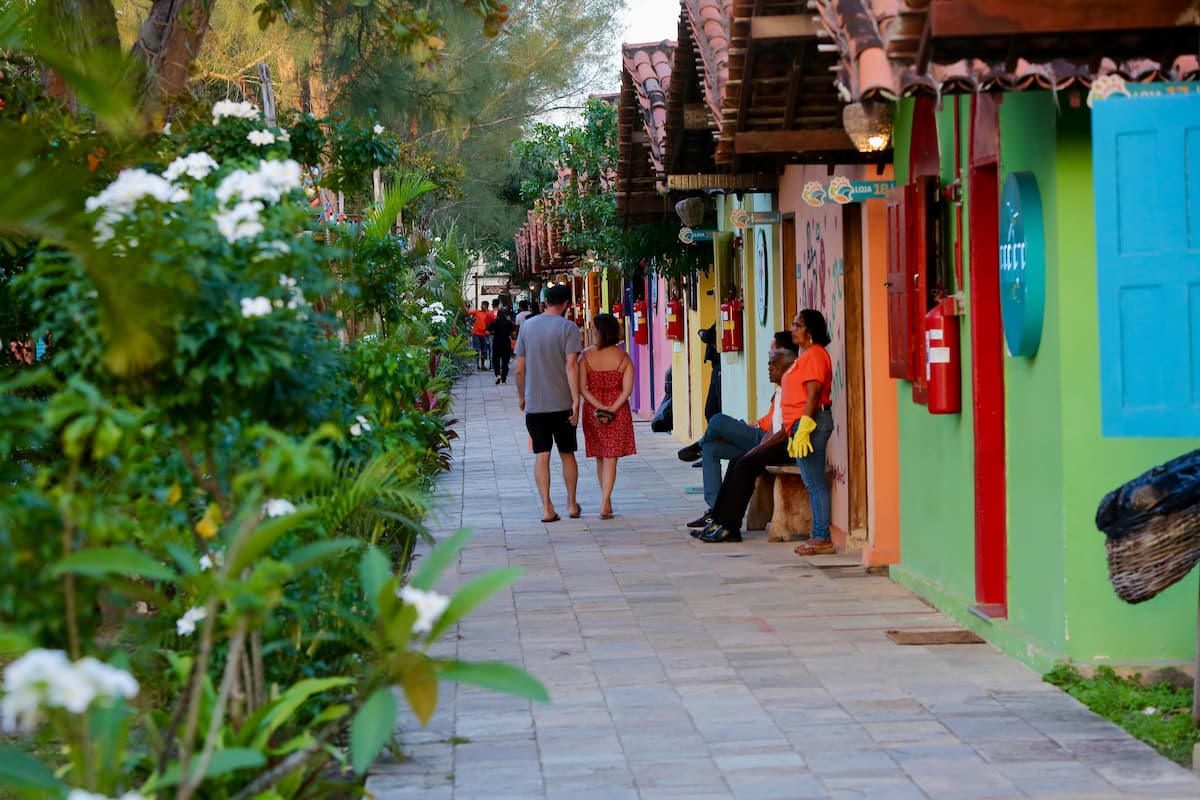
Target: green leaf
[311,555]
[283,708]
[372,728]
[21,771]
[497,676]
[471,595]
[421,690]
[265,535]
[438,559]
[230,759]
[374,571]
[102,561]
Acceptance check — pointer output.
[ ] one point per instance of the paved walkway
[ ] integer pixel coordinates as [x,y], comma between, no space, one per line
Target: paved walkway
[685,670]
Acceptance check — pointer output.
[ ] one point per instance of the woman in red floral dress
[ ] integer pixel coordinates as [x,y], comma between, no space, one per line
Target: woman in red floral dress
[605,384]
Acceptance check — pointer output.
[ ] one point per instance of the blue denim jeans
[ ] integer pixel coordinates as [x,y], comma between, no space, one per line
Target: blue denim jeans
[812,472]
[725,437]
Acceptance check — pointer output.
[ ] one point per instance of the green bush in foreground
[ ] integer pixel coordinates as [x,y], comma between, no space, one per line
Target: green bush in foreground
[1159,715]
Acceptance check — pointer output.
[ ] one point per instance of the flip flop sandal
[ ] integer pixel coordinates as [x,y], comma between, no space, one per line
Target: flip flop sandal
[555,518]
[814,548]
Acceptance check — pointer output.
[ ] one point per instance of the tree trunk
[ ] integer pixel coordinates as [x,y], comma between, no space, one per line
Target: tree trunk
[168,43]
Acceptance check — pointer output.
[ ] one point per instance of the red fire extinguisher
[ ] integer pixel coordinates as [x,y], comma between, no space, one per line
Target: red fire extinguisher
[618,311]
[641,329]
[943,372]
[674,320]
[731,326]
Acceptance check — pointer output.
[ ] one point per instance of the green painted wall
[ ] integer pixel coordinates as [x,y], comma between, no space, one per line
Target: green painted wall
[1101,628]
[937,487]
[1058,465]
[1034,405]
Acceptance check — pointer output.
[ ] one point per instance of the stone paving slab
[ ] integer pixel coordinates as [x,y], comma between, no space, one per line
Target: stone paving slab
[684,670]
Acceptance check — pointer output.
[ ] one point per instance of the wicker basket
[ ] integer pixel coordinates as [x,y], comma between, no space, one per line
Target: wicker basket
[1164,550]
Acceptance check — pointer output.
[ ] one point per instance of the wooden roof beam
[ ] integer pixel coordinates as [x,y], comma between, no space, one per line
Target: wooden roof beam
[952,18]
[783,28]
[754,142]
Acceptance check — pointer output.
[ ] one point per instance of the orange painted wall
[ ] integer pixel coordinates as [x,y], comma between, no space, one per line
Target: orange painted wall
[883,458]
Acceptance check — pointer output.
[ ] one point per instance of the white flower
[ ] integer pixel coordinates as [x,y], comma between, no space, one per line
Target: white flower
[240,222]
[429,605]
[166,129]
[366,425]
[207,562]
[47,678]
[378,129]
[275,507]
[270,182]
[437,318]
[194,165]
[186,625]
[81,794]
[1149,711]
[260,138]
[255,307]
[228,108]
[284,135]
[122,195]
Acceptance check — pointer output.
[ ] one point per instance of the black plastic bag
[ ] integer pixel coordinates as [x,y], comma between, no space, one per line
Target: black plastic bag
[663,421]
[1167,488]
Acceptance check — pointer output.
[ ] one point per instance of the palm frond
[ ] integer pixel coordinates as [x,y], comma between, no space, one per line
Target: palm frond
[397,198]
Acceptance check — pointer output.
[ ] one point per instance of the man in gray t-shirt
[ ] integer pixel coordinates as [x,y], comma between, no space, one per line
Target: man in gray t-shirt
[548,392]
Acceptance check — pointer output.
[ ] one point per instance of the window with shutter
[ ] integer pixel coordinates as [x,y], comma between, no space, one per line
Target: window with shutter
[899,315]
[1146,153]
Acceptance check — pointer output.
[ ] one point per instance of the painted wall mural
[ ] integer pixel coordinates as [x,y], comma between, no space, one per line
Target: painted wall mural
[820,282]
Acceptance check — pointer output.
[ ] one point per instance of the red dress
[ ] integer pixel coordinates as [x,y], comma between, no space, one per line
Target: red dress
[616,438]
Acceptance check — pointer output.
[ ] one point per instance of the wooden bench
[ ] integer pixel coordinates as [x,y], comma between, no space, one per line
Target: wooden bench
[780,504]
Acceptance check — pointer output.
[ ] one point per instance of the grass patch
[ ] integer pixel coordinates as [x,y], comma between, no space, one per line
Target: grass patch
[1160,715]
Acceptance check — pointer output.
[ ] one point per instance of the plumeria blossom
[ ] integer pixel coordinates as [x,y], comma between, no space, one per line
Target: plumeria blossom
[255,307]
[228,108]
[275,507]
[166,129]
[438,318]
[295,296]
[186,625]
[260,138]
[361,425]
[216,559]
[378,129]
[47,678]
[82,794]
[241,221]
[284,135]
[195,165]
[429,606]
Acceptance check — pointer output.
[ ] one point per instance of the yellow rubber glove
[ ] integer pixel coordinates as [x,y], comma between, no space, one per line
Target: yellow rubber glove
[799,446]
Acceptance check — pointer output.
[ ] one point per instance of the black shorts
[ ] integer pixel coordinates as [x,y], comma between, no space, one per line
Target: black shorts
[552,427]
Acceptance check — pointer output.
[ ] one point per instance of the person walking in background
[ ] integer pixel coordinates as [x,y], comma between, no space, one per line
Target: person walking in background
[480,340]
[606,382]
[809,383]
[548,392]
[522,314]
[501,329]
[729,438]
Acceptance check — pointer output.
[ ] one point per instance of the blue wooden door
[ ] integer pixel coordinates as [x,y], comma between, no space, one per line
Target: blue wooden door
[1146,171]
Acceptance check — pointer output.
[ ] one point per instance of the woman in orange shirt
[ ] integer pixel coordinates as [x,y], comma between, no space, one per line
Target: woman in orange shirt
[806,387]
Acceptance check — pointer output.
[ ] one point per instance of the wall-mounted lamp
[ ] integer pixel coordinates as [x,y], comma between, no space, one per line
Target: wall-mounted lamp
[869,125]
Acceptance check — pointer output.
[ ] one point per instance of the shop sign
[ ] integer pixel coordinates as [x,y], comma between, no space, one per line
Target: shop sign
[742,218]
[1107,86]
[493,288]
[1022,264]
[842,190]
[691,235]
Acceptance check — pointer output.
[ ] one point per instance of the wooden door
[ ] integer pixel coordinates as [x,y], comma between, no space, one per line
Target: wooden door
[856,392]
[788,265]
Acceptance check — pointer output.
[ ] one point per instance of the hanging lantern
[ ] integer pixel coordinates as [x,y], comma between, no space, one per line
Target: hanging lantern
[869,125]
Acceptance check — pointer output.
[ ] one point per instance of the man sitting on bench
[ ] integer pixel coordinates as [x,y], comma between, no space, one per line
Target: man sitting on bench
[729,438]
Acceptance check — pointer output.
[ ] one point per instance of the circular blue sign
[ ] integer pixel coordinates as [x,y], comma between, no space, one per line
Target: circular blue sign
[1022,264]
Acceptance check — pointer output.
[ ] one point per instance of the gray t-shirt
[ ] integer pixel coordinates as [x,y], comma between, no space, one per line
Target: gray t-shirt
[544,342]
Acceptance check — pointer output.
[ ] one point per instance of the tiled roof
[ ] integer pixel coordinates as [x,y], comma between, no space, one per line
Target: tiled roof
[709,22]
[649,67]
[887,51]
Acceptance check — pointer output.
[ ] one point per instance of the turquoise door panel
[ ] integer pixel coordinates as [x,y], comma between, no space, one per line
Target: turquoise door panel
[1146,173]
